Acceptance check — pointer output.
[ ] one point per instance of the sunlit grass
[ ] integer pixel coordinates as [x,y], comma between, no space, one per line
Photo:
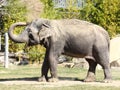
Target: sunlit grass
[33,72]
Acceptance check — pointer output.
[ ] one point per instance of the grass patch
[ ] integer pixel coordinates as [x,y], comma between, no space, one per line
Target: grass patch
[37,87]
[32,72]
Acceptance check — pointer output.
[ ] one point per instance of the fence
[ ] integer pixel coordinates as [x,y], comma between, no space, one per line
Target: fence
[66,3]
[6,53]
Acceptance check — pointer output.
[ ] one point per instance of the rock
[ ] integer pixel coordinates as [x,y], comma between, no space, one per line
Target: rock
[115,52]
[80,62]
[115,63]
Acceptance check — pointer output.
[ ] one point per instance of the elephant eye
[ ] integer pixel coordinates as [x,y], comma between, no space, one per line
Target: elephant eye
[31,37]
[29,30]
[30,34]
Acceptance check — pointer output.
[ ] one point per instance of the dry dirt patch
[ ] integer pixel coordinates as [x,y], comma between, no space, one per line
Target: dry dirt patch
[59,83]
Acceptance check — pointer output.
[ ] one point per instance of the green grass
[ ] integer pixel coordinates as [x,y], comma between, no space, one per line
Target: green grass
[19,72]
[32,72]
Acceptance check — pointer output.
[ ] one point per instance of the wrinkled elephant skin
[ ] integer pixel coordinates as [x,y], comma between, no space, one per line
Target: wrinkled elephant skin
[71,37]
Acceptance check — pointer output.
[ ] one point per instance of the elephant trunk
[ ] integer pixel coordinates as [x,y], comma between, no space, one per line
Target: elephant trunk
[17,38]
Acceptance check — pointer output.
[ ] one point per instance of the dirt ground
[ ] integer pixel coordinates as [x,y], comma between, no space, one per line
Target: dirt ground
[59,83]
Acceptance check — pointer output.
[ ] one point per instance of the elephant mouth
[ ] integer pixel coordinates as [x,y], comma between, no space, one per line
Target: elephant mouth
[31,43]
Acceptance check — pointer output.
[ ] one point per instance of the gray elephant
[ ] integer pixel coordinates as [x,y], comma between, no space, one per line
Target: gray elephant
[71,37]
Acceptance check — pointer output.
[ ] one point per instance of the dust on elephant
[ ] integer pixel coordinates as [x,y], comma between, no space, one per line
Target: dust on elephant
[71,37]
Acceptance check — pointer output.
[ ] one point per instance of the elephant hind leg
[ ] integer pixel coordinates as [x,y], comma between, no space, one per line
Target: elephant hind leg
[91,72]
[102,58]
[104,62]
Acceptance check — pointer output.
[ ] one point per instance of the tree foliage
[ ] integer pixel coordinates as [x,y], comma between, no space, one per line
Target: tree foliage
[105,13]
[15,12]
[49,10]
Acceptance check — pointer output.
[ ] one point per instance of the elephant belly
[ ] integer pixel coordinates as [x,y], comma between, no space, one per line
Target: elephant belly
[78,47]
[74,55]
[77,52]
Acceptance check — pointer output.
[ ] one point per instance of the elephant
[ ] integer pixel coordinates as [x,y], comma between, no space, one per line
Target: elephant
[72,37]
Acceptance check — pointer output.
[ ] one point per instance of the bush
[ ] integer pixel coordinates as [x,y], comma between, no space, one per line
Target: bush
[36,53]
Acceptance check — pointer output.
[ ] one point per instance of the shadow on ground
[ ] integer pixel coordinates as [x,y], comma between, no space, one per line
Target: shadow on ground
[36,79]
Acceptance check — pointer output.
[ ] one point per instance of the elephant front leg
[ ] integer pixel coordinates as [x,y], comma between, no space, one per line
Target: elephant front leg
[44,70]
[53,69]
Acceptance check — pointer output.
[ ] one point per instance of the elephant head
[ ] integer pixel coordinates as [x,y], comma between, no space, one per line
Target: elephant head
[34,32]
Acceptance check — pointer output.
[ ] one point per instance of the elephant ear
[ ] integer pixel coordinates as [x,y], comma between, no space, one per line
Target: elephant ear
[45,31]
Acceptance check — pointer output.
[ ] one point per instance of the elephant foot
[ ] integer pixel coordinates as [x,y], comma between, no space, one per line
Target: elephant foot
[53,80]
[42,79]
[90,77]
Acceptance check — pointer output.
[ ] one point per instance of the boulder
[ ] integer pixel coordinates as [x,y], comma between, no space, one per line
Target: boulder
[115,50]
